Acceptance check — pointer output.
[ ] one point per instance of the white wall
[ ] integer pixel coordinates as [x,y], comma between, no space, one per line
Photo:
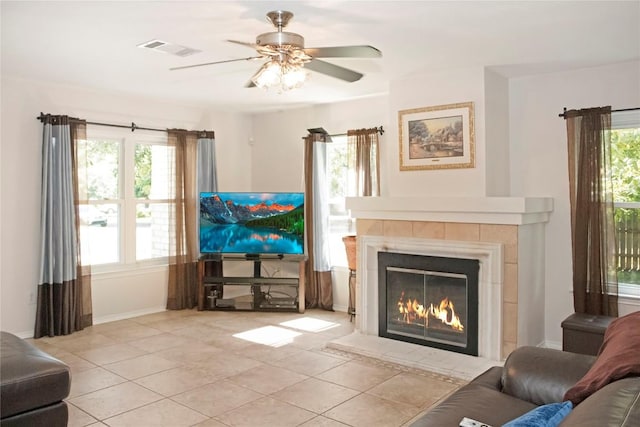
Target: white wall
[277,150]
[22,101]
[497,134]
[427,90]
[539,159]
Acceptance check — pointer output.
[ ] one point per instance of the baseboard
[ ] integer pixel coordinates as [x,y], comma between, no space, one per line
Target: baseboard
[24,335]
[106,319]
[341,308]
[556,345]
[128,315]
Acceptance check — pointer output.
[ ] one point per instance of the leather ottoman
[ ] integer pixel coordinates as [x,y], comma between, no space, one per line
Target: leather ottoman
[33,385]
[583,333]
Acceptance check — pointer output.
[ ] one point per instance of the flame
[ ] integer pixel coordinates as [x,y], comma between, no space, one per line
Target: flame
[411,310]
[447,314]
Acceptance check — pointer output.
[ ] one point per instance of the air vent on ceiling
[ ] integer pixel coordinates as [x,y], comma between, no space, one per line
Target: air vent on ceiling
[173,49]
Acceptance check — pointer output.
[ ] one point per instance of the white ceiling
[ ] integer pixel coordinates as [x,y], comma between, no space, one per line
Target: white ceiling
[93,44]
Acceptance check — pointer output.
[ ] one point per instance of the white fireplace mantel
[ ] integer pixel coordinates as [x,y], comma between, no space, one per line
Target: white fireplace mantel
[482,210]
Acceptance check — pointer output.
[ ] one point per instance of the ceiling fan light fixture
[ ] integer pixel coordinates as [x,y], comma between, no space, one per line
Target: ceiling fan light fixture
[268,75]
[284,75]
[293,76]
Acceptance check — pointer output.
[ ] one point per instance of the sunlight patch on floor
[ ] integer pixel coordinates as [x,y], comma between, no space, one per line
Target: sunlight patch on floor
[269,335]
[310,324]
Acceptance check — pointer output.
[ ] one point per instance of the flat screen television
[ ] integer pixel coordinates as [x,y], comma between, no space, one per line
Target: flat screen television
[252,223]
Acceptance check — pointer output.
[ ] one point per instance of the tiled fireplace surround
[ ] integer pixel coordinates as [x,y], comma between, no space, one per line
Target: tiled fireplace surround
[507,232]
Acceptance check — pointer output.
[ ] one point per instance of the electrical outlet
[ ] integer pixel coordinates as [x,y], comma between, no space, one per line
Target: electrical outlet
[32,298]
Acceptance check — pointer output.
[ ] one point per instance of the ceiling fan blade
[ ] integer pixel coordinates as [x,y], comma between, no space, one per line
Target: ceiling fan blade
[343,52]
[251,45]
[215,62]
[333,70]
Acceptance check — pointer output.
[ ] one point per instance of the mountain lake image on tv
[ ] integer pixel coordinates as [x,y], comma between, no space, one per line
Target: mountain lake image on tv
[252,223]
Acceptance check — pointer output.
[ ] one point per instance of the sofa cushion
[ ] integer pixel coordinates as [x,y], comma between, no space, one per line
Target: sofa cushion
[549,415]
[480,400]
[616,404]
[29,377]
[618,358]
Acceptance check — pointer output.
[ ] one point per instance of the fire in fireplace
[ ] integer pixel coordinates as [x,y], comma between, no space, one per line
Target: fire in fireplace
[428,300]
[415,313]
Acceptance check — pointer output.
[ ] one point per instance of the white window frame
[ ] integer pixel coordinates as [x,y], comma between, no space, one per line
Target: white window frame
[351,229]
[126,200]
[626,120]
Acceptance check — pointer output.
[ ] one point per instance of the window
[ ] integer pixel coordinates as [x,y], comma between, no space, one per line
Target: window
[124,197]
[340,224]
[625,169]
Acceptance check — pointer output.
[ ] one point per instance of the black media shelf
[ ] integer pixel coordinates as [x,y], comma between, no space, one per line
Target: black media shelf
[211,286]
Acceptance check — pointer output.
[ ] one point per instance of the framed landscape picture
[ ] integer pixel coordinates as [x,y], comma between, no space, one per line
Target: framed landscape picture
[440,137]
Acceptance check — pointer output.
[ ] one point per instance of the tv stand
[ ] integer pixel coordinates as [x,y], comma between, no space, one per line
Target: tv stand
[211,286]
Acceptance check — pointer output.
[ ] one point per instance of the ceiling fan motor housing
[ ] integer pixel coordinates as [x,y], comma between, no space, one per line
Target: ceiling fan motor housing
[280,38]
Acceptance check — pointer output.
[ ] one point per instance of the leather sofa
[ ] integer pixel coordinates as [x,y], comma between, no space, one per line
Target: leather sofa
[33,385]
[531,377]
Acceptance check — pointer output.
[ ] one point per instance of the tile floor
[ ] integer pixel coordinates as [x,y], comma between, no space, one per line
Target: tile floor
[214,369]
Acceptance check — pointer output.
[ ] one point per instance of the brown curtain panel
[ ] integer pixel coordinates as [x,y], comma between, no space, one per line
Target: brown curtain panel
[79,133]
[363,154]
[183,233]
[319,288]
[595,284]
[64,289]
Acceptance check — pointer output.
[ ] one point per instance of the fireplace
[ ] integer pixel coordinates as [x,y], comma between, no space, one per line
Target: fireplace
[490,282]
[505,234]
[429,300]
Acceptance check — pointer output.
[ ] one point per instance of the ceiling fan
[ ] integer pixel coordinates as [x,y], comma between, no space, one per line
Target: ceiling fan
[287,58]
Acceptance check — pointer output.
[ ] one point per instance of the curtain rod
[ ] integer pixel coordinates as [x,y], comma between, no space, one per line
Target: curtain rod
[613,111]
[133,126]
[379,129]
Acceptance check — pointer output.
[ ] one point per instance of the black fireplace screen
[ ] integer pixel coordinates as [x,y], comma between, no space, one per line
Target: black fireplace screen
[429,300]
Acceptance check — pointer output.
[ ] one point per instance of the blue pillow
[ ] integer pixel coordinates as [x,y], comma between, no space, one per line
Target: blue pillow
[550,415]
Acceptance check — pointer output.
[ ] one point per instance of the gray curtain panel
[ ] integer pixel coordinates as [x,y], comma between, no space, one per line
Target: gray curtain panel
[64,303]
[207,170]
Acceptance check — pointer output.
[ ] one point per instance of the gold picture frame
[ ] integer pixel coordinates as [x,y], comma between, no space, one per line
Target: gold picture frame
[440,137]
